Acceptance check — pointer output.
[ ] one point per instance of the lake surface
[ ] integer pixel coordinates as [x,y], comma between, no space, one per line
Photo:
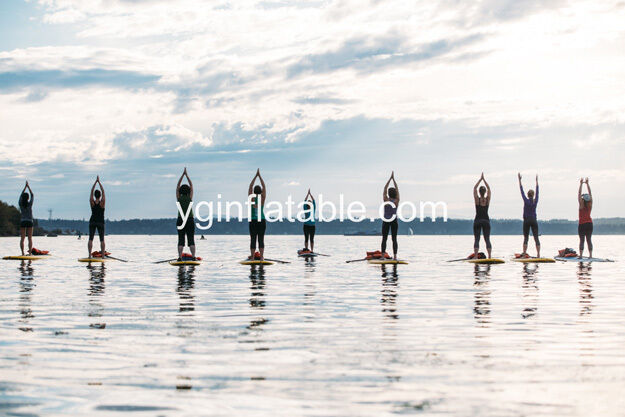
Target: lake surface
[321,338]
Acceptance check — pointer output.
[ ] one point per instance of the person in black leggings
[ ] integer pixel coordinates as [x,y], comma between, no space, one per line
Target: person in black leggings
[258,224]
[97,201]
[482,221]
[530,222]
[389,222]
[184,196]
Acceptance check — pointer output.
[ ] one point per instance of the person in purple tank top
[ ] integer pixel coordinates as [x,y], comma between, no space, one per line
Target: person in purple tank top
[391,201]
[530,222]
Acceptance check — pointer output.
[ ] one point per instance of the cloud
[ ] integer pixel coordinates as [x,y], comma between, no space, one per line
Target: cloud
[13,80]
[368,56]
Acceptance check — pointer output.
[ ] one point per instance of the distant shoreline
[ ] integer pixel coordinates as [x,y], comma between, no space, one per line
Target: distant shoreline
[453,227]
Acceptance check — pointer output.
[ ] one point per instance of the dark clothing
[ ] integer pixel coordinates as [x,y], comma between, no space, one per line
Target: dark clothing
[584,231]
[481,212]
[26,210]
[257,232]
[184,202]
[479,226]
[533,225]
[309,232]
[97,214]
[188,230]
[385,229]
[92,229]
[529,206]
[26,223]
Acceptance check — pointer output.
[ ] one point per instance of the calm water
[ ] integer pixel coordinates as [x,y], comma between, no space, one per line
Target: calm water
[315,339]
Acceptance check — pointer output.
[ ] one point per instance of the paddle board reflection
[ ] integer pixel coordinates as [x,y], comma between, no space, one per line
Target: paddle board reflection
[584,272]
[530,291]
[390,280]
[97,275]
[27,285]
[257,296]
[186,285]
[481,307]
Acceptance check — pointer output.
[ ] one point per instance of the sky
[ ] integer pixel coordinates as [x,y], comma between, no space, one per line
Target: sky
[330,95]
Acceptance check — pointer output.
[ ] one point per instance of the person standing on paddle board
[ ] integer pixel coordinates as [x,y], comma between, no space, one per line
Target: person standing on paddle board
[530,202]
[97,201]
[389,221]
[584,229]
[27,222]
[184,197]
[257,225]
[482,221]
[309,225]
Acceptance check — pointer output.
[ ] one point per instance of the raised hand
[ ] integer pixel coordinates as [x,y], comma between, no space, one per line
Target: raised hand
[519,176]
[586,180]
[581,180]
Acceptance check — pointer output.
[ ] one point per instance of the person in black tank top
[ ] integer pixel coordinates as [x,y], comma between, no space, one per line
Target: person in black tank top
[97,201]
[482,221]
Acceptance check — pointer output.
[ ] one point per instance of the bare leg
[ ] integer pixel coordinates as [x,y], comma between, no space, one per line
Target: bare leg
[524,249]
[180,249]
[89,248]
[262,254]
[102,248]
[22,236]
[538,251]
[192,251]
[30,240]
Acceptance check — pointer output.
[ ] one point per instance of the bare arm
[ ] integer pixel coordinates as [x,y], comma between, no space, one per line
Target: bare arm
[385,192]
[178,186]
[32,195]
[103,199]
[487,191]
[91,200]
[477,184]
[190,184]
[537,189]
[250,190]
[587,186]
[579,192]
[396,187]
[262,184]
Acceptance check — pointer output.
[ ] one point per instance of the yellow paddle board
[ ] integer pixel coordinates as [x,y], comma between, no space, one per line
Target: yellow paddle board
[387,262]
[93,259]
[182,263]
[25,257]
[486,261]
[255,262]
[534,260]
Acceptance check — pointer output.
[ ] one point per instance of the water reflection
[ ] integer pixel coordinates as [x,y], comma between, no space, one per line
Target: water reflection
[257,296]
[27,285]
[186,285]
[97,276]
[389,291]
[529,291]
[481,307]
[585,289]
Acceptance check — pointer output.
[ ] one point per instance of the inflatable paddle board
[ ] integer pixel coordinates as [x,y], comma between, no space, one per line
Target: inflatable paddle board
[487,261]
[577,259]
[93,260]
[25,257]
[387,262]
[534,260]
[182,263]
[255,262]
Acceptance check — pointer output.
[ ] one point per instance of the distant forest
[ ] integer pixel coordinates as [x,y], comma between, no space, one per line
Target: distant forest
[10,219]
[610,226]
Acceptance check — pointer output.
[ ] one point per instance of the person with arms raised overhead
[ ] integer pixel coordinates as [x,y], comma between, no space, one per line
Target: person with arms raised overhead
[391,201]
[27,222]
[186,226]
[97,201]
[530,222]
[584,229]
[257,223]
[309,225]
[481,224]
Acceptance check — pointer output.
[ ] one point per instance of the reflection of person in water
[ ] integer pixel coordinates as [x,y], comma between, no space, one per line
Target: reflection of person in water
[530,291]
[186,284]
[585,289]
[481,308]
[27,285]
[389,292]
[97,275]
[257,296]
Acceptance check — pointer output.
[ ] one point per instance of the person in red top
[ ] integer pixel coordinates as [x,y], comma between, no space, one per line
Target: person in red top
[585,221]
